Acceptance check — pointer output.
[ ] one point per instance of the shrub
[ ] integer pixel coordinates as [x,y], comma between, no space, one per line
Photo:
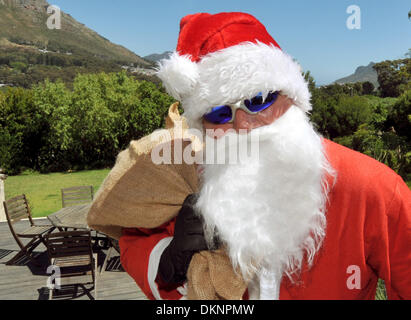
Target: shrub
[19,128]
[53,128]
[339,115]
[53,102]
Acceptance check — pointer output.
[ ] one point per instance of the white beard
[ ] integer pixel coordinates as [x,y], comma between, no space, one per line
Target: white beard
[270,212]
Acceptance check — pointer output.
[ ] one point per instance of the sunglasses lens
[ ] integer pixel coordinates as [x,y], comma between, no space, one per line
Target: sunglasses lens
[219,115]
[257,103]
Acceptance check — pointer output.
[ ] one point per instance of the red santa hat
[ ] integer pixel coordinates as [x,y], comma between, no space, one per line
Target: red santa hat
[226,57]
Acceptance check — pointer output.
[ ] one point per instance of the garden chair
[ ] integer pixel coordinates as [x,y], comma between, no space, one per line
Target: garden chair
[71,252]
[76,195]
[16,209]
[114,245]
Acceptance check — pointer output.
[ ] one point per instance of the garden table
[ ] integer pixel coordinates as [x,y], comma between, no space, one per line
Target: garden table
[75,217]
[71,217]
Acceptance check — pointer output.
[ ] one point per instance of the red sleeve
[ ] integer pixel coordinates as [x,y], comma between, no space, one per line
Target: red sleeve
[399,230]
[136,245]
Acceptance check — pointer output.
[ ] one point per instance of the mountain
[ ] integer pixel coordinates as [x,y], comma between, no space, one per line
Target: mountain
[155,57]
[24,23]
[362,74]
[30,52]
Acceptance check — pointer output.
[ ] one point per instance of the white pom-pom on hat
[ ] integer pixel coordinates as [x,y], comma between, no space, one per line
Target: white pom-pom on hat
[179,75]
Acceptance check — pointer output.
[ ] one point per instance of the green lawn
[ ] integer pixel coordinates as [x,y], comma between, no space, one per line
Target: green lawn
[43,190]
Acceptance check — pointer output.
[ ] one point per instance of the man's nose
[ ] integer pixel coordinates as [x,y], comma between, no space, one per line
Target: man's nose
[244,121]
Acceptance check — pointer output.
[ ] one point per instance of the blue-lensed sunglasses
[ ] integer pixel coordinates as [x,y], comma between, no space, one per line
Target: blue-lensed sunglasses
[226,113]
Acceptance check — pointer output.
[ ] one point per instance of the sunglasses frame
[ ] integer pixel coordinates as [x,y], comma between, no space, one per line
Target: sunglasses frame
[241,105]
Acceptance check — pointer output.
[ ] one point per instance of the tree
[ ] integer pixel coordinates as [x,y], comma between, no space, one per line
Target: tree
[394,76]
[400,116]
[367,87]
[18,130]
[386,136]
[109,110]
[386,147]
[336,113]
[323,113]
[310,80]
[350,113]
[92,122]
[52,101]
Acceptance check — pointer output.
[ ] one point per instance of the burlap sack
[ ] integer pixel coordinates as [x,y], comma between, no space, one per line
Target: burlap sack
[211,277]
[140,194]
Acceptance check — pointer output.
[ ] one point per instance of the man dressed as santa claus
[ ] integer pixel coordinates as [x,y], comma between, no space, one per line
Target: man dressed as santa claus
[307,218]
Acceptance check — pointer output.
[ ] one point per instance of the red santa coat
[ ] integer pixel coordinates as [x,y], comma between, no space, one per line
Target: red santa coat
[368,236]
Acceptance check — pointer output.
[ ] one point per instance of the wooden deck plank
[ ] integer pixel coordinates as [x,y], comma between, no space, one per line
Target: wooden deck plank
[27,282]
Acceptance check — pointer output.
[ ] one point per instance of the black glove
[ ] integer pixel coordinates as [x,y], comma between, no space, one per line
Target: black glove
[188,239]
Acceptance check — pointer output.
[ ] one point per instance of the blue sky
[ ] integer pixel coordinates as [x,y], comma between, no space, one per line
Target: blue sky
[312,31]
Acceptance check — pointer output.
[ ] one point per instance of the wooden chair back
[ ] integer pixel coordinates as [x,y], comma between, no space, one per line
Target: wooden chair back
[68,244]
[76,195]
[16,209]
[72,251]
[114,244]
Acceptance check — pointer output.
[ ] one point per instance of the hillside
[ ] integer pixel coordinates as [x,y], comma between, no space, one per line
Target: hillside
[155,57]
[362,74]
[31,52]
[23,22]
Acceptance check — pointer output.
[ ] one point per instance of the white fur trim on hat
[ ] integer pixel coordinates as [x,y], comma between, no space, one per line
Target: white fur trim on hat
[229,75]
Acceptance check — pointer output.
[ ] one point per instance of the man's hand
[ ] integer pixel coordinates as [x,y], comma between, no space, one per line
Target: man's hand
[188,239]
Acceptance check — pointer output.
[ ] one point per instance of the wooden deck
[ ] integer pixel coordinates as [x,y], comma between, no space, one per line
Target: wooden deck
[25,281]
